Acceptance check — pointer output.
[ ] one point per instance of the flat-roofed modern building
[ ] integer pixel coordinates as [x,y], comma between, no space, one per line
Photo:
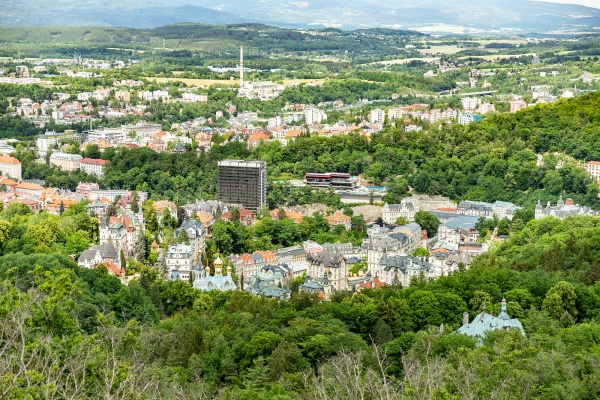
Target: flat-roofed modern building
[339,181]
[243,183]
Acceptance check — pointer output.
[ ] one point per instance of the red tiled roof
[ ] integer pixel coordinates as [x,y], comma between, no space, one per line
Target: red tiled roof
[95,161]
[246,213]
[373,284]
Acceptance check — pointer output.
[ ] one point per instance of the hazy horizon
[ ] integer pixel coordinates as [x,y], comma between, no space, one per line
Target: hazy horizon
[203,3]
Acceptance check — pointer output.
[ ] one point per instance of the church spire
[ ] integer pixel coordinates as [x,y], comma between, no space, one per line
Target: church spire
[503,314]
[218,266]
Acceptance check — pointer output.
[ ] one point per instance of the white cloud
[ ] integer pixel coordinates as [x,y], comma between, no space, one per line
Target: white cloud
[587,3]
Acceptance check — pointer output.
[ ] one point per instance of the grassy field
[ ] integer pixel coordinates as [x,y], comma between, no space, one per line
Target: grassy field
[288,82]
[407,60]
[510,41]
[453,49]
[434,59]
[498,56]
[441,49]
[209,82]
[196,82]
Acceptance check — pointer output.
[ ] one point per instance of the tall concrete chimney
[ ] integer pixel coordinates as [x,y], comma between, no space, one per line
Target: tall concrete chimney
[241,67]
[465,318]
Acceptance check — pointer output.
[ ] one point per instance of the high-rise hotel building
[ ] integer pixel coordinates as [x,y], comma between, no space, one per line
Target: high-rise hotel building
[243,183]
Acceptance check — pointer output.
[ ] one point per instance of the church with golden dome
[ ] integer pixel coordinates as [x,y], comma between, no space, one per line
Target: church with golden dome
[204,281]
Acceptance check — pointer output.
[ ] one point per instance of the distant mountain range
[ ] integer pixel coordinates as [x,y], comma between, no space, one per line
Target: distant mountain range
[130,13]
[430,16]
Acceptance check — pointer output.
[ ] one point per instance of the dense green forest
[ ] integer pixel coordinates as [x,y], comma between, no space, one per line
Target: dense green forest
[71,332]
[193,40]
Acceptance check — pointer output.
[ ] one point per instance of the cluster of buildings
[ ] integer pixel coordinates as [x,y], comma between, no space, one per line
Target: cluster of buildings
[65,112]
[81,107]
[120,238]
[140,134]
[472,109]
[385,258]
[562,209]
[501,209]
[120,235]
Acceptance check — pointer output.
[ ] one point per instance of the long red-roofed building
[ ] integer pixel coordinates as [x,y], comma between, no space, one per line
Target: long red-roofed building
[93,166]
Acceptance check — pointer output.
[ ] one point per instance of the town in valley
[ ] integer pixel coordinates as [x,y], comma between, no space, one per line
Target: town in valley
[245,210]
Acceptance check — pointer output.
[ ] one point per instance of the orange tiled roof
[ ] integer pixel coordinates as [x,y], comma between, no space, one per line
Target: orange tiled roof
[258,136]
[160,205]
[9,160]
[268,255]
[55,204]
[296,216]
[114,269]
[7,181]
[122,219]
[205,217]
[29,186]
[294,133]
[338,216]
[25,201]
[373,284]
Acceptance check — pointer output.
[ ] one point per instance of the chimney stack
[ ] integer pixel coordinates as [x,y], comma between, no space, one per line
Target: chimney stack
[241,67]
[465,318]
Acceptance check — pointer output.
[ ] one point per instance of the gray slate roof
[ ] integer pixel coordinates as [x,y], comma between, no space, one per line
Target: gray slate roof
[190,223]
[462,221]
[327,258]
[403,263]
[106,251]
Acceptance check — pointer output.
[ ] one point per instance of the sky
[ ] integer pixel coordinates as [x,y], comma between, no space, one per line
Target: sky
[588,3]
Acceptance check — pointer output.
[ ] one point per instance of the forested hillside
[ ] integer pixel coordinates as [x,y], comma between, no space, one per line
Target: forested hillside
[195,39]
[86,336]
